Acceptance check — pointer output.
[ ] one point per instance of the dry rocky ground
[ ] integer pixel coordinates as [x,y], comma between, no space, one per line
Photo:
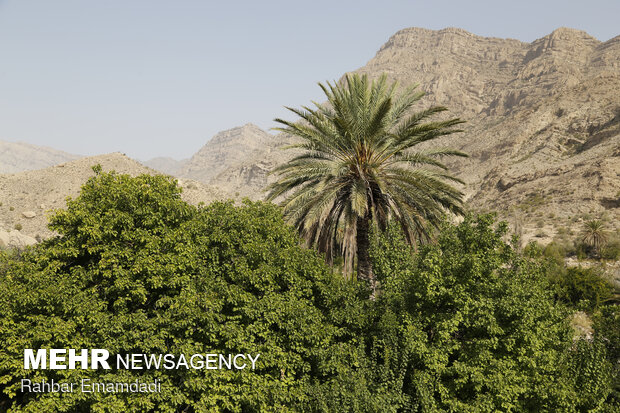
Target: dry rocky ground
[28,198]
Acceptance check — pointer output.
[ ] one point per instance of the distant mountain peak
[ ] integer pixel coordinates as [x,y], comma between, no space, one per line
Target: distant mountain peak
[227,148]
[570,33]
[18,156]
[248,126]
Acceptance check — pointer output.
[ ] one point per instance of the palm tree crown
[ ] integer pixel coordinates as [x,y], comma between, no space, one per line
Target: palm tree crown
[594,234]
[358,168]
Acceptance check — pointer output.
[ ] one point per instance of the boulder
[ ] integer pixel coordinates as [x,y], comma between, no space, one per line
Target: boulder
[4,239]
[29,214]
[15,239]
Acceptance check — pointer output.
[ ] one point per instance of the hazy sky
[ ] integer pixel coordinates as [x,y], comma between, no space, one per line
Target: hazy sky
[159,78]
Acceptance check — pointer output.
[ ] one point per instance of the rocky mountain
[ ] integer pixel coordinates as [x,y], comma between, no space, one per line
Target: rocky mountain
[27,198]
[167,165]
[227,150]
[17,157]
[542,131]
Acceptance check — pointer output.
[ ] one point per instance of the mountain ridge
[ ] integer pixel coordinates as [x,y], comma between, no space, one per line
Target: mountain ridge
[20,156]
[28,198]
[539,115]
[542,125]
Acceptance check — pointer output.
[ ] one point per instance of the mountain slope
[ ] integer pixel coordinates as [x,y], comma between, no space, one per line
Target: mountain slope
[167,165]
[227,149]
[543,121]
[27,198]
[18,157]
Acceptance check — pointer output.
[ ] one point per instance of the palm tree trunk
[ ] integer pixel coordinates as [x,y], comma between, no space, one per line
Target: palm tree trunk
[364,266]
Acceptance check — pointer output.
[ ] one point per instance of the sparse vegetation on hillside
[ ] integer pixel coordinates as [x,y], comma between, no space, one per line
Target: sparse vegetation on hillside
[594,235]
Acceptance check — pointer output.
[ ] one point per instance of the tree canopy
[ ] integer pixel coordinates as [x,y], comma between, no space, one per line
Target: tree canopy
[471,325]
[137,270]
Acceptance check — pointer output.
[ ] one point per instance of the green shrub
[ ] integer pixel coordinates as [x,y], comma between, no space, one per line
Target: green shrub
[555,251]
[607,331]
[592,375]
[582,288]
[583,250]
[18,226]
[611,251]
[533,250]
[607,327]
[540,234]
[471,326]
[564,243]
[137,270]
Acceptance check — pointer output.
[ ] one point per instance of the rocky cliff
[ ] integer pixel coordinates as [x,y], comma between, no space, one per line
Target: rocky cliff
[228,149]
[542,131]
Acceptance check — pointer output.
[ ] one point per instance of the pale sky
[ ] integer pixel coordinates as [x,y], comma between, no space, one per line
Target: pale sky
[160,78]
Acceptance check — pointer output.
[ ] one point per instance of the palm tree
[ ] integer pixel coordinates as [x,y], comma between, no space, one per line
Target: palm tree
[358,168]
[594,235]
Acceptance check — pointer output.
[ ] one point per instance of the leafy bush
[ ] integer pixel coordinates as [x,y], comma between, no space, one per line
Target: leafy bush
[561,246]
[611,251]
[607,328]
[591,375]
[582,288]
[555,252]
[583,251]
[471,325]
[137,270]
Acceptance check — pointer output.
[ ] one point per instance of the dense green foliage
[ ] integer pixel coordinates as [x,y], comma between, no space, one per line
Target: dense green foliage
[361,164]
[607,332]
[611,250]
[474,326]
[466,324]
[584,288]
[581,288]
[137,270]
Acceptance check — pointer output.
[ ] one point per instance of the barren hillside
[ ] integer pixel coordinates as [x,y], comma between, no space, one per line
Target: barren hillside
[166,165]
[18,157]
[27,198]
